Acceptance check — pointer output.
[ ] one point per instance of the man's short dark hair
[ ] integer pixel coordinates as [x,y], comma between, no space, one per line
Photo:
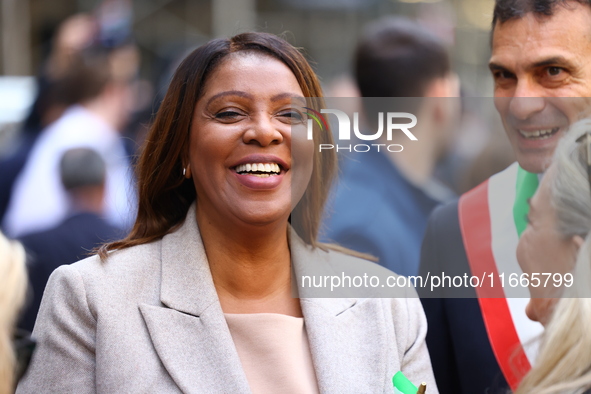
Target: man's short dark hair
[82,167]
[397,57]
[506,10]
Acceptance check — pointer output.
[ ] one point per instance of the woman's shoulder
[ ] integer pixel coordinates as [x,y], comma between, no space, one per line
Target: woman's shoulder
[121,259]
[338,257]
[120,270]
[333,271]
[341,255]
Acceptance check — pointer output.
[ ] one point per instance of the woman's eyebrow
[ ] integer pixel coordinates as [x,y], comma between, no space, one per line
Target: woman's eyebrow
[228,93]
[293,96]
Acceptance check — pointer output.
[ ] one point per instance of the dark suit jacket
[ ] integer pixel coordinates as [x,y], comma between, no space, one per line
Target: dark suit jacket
[461,354]
[375,210]
[70,241]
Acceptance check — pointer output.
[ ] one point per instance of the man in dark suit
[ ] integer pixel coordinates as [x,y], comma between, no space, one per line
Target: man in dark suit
[382,200]
[540,55]
[83,176]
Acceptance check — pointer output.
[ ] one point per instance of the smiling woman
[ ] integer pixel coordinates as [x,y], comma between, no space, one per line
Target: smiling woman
[244,119]
[198,297]
[164,197]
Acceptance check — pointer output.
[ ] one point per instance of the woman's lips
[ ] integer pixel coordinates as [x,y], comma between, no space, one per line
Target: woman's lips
[253,181]
[260,171]
[261,176]
[261,159]
[258,168]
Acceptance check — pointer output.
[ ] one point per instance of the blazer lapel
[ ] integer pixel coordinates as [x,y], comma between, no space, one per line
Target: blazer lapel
[191,336]
[189,331]
[347,347]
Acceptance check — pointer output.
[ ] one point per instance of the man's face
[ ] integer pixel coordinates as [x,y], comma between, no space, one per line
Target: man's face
[542,71]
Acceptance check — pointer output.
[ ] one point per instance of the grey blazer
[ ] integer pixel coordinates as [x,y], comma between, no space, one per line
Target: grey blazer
[148,320]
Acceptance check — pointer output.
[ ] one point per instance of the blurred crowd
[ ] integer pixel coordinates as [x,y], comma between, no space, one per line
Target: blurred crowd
[68,181]
[67,177]
[91,105]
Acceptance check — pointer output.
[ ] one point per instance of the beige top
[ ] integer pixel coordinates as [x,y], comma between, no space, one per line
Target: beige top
[274,352]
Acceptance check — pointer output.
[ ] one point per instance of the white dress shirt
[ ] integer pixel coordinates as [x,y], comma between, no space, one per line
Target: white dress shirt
[39,201]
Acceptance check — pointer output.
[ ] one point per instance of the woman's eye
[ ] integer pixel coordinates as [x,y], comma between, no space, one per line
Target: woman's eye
[292,116]
[227,114]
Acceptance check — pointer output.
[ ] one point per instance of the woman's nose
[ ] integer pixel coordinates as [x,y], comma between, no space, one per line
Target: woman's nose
[263,131]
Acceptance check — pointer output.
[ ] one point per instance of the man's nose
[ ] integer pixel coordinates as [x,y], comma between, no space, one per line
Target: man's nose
[528,99]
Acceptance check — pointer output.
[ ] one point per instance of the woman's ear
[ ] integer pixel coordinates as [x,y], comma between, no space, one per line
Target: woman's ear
[578,241]
[187,171]
[186,163]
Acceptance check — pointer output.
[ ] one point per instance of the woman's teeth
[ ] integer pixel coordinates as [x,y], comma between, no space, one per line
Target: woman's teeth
[261,170]
[538,134]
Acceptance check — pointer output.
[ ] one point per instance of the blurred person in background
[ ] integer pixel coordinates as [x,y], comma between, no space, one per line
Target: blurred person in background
[13,286]
[198,297]
[38,200]
[541,66]
[82,173]
[382,200]
[74,35]
[557,241]
[57,90]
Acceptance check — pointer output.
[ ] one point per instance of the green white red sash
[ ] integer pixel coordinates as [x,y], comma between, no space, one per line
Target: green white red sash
[492,217]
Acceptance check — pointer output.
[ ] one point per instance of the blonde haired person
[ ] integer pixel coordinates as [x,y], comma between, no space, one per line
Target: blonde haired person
[13,285]
[557,241]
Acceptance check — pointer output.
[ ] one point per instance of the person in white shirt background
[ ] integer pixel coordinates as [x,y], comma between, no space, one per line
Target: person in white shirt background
[38,199]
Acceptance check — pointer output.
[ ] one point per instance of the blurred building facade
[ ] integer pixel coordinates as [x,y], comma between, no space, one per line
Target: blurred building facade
[326,29]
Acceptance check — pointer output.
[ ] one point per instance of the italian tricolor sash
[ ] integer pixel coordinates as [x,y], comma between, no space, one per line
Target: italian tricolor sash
[492,217]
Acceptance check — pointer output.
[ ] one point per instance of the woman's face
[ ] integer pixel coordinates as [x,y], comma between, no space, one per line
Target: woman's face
[240,144]
[542,249]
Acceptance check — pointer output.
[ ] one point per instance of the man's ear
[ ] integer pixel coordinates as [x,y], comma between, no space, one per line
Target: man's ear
[447,86]
[438,87]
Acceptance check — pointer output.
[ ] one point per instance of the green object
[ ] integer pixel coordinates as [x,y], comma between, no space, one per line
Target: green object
[526,186]
[402,385]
